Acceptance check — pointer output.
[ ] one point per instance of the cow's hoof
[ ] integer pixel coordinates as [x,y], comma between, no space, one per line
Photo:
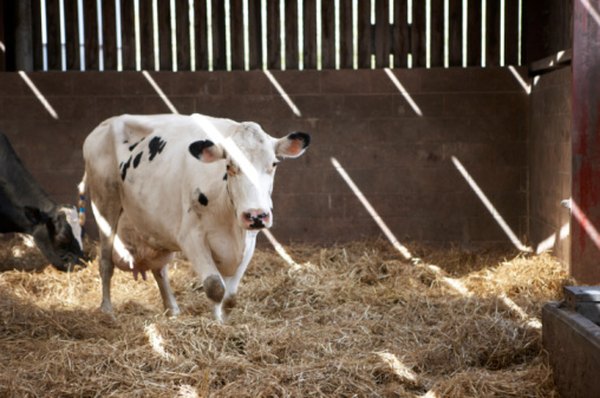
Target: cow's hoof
[214,288]
[173,312]
[107,311]
[106,307]
[228,304]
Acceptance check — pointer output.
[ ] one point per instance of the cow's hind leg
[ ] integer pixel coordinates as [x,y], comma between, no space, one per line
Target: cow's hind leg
[107,211]
[162,280]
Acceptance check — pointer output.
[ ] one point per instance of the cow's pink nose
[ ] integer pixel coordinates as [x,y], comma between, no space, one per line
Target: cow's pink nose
[255,218]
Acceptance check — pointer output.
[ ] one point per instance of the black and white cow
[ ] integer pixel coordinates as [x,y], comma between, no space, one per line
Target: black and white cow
[201,185]
[26,208]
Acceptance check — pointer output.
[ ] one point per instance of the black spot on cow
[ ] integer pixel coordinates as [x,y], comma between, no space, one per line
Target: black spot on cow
[203,199]
[156,146]
[124,168]
[225,177]
[132,147]
[136,160]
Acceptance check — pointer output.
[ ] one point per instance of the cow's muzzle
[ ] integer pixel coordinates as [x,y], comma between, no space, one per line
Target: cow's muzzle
[256,219]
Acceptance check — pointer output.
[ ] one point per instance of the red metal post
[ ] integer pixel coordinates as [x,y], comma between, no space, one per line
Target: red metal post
[585,254]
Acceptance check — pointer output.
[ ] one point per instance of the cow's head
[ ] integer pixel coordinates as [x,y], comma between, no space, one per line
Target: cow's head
[250,157]
[57,235]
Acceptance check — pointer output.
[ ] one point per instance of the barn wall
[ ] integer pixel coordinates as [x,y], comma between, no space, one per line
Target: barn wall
[401,161]
[550,159]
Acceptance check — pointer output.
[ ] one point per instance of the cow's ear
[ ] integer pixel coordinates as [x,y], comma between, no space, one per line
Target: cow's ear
[206,151]
[35,215]
[292,145]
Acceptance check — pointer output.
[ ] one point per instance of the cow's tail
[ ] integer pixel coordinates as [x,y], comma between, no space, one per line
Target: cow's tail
[81,202]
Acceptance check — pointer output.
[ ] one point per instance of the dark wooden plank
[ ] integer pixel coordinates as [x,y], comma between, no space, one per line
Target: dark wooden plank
[346,35]
[418,46]
[109,35]
[201,35]
[328,35]
[474,34]
[72,35]
[182,33]
[127,35]
[273,35]
[2,35]
[310,34]
[400,34]
[9,26]
[164,36]
[365,45]
[291,34]
[53,27]
[437,33]
[219,55]
[455,31]
[254,34]
[146,35]
[492,47]
[36,36]
[511,26]
[382,34]
[237,34]
[90,23]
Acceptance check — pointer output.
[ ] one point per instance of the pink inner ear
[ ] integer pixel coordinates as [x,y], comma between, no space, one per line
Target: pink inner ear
[294,147]
[209,155]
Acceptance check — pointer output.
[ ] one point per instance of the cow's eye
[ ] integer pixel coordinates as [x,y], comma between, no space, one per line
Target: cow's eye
[275,164]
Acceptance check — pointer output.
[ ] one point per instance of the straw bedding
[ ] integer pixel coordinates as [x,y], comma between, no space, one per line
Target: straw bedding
[352,320]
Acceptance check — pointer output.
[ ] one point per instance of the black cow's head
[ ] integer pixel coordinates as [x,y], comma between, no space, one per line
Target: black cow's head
[57,235]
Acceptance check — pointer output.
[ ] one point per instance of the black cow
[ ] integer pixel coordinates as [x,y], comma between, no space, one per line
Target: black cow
[26,208]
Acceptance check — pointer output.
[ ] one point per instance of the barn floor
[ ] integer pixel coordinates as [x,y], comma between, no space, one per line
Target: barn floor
[352,320]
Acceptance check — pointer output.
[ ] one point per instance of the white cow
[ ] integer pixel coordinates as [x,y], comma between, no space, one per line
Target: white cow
[165,183]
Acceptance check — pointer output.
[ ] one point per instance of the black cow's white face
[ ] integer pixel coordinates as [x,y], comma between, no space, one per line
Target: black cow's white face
[250,157]
[58,236]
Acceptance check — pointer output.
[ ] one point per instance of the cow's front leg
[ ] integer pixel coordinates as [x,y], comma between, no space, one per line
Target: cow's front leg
[232,282]
[162,280]
[205,268]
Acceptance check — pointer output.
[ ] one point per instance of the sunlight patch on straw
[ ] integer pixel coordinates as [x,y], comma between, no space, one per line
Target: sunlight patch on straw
[38,94]
[531,322]
[156,341]
[384,228]
[451,282]
[430,394]
[398,367]
[187,391]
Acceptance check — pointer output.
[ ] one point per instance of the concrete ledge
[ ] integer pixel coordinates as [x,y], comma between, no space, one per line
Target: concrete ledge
[573,344]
